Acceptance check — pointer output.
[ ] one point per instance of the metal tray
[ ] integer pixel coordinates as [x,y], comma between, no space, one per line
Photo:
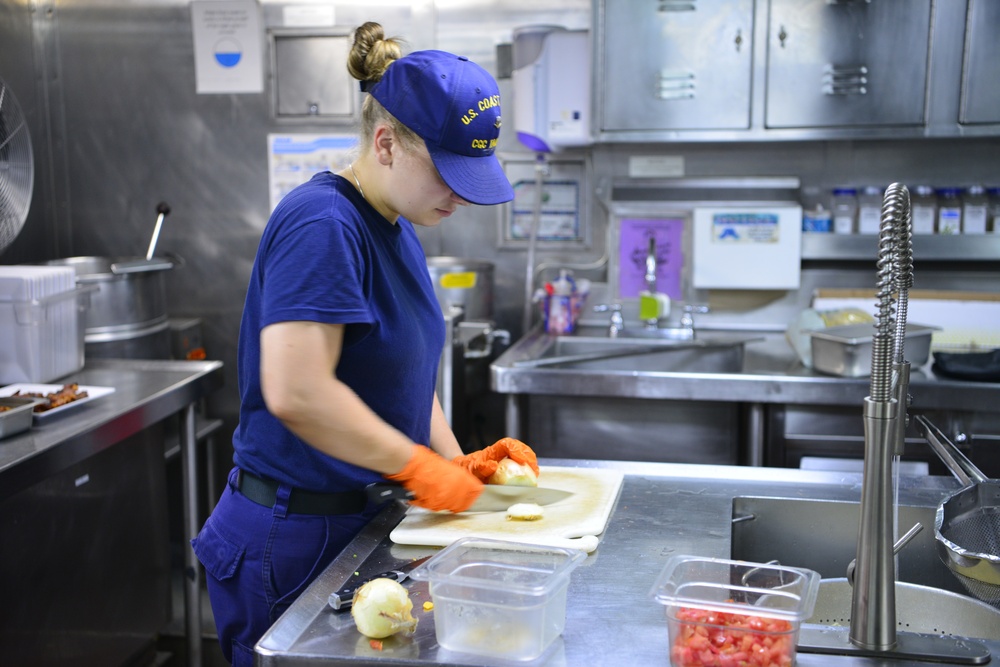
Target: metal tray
[847,350]
[18,419]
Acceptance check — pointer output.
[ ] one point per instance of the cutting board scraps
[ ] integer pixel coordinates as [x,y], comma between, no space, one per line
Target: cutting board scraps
[575,522]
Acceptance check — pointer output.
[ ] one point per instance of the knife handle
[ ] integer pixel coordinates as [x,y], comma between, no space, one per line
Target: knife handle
[379,492]
[344,598]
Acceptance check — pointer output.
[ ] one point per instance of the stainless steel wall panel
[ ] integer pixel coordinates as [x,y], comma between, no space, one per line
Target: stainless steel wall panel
[109,90]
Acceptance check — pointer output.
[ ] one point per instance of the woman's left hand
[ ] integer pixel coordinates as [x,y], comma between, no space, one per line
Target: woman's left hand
[484,462]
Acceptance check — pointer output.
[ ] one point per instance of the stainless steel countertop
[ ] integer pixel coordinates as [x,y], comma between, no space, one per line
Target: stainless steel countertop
[771,374]
[146,391]
[612,620]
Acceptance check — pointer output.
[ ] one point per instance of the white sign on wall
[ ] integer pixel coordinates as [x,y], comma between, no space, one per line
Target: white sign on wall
[293,159]
[227,47]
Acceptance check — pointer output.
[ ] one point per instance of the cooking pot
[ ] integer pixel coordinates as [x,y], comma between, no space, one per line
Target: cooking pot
[128,311]
[467,283]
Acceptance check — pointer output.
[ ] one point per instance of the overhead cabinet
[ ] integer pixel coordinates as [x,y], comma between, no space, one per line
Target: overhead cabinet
[981,69]
[676,65]
[735,70]
[853,63]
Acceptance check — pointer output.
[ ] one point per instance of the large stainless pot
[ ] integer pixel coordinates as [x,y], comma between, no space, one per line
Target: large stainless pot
[467,283]
[127,317]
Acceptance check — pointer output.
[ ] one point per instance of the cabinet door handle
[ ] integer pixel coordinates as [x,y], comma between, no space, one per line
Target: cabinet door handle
[675,85]
[676,6]
[845,79]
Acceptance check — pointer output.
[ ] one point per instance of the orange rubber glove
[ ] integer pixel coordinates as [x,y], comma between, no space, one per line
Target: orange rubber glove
[484,463]
[436,483]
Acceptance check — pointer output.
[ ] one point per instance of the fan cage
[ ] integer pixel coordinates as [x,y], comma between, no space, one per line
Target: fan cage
[16,167]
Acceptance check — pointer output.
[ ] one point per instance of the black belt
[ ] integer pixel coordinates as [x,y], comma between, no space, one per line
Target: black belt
[265,492]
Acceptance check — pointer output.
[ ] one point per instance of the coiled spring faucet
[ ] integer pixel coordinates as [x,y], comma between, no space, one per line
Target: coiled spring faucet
[873,605]
[873,602]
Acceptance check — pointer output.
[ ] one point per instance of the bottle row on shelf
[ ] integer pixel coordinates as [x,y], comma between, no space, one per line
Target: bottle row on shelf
[974,209]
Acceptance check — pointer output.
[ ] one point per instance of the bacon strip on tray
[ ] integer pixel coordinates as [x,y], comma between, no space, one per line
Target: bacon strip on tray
[68,394]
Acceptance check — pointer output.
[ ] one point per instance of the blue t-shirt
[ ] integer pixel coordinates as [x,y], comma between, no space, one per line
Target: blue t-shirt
[327,256]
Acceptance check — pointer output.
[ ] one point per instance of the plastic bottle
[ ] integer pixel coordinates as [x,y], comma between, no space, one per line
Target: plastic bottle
[817,220]
[923,209]
[845,210]
[949,218]
[993,210]
[870,210]
[974,210]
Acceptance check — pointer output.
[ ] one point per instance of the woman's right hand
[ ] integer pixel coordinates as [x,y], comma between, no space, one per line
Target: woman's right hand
[436,483]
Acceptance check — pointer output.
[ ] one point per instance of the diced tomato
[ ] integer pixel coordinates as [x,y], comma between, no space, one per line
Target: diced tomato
[719,639]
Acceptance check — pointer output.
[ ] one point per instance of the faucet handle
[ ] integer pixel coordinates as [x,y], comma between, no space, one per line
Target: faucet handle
[687,319]
[617,322]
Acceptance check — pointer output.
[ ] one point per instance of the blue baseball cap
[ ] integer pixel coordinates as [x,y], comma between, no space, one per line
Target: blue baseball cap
[453,104]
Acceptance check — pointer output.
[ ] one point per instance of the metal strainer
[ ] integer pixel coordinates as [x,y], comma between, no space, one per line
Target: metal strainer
[967,523]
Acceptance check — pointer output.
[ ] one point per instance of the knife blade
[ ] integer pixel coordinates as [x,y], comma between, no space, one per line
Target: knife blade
[344,598]
[494,498]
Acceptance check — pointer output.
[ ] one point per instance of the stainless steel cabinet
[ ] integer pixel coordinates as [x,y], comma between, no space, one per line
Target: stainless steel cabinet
[981,69]
[847,63]
[673,65]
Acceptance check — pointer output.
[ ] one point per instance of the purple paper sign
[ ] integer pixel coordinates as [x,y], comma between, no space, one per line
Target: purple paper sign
[634,246]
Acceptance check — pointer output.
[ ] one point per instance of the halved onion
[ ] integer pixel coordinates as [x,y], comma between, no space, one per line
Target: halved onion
[511,473]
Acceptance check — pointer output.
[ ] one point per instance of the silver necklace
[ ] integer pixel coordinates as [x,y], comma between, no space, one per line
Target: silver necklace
[357,182]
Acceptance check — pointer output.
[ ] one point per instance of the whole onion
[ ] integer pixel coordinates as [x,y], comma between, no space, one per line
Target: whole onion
[381,608]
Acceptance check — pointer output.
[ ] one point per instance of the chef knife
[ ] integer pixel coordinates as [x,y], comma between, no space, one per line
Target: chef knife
[494,498]
[343,598]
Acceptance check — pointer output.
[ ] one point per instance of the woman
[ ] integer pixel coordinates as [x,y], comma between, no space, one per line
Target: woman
[341,337]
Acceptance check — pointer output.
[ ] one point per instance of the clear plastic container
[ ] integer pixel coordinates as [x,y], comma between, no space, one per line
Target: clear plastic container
[949,217]
[870,210]
[497,598]
[923,209]
[718,608]
[974,210]
[817,220]
[845,210]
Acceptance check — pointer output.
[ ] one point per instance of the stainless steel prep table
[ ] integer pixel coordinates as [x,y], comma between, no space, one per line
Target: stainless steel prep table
[611,619]
[146,392]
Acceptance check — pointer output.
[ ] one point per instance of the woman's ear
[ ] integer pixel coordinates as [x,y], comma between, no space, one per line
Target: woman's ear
[384,140]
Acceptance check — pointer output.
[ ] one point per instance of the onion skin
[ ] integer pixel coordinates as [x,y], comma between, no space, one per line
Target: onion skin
[381,608]
[512,473]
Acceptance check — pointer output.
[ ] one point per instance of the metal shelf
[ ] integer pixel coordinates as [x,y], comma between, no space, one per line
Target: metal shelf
[972,248]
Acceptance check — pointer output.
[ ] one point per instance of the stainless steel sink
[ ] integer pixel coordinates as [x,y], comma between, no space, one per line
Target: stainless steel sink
[707,354]
[821,535]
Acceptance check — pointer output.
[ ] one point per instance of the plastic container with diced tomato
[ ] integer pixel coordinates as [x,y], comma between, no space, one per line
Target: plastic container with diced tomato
[727,613]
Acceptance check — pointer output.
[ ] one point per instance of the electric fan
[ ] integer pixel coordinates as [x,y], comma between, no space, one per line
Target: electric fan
[16,168]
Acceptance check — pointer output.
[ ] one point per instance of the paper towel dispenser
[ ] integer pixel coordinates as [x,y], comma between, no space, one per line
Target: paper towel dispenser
[551,87]
[747,247]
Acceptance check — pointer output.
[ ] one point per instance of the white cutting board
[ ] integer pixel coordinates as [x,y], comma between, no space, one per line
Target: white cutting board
[573,522]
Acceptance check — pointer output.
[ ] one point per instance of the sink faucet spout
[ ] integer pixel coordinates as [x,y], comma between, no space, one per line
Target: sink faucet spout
[873,605]
[650,276]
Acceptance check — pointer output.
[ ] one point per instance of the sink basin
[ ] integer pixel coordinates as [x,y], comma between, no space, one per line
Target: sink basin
[708,354]
[821,535]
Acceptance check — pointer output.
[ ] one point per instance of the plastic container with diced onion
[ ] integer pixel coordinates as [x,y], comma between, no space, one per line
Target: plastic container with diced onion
[497,598]
[726,612]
